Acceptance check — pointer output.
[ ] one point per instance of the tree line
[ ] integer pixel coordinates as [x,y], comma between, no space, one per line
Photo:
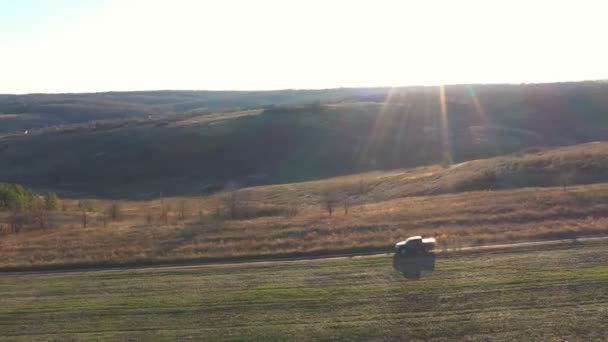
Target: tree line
[17,198]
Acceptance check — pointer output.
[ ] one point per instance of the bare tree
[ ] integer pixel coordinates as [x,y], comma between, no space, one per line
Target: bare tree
[84,212]
[181,210]
[85,207]
[16,220]
[164,210]
[231,200]
[39,214]
[329,200]
[104,219]
[115,211]
[218,207]
[346,205]
[148,218]
[200,208]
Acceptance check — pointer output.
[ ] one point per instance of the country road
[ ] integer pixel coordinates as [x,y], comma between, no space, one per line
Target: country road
[195,263]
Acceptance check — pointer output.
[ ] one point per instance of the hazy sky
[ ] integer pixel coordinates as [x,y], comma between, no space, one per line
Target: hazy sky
[97,45]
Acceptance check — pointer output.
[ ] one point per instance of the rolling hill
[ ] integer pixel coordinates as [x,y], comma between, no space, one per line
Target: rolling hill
[37,111]
[527,198]
[329,133]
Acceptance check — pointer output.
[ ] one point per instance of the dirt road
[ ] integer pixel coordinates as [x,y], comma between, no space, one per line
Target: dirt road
[199,263]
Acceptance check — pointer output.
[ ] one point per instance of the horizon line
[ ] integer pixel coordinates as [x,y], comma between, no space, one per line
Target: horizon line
[307,89]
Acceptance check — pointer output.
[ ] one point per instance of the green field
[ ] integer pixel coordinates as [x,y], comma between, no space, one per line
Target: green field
[546,293]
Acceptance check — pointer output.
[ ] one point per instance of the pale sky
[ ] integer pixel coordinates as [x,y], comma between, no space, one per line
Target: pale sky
[101,45]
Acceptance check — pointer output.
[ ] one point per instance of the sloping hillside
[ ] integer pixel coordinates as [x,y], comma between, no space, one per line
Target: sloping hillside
[541,194]
[555,167]
[201,152]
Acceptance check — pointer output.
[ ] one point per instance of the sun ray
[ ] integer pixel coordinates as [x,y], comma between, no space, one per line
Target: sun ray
[402,132]
[483,117]
[444,125]
[377,127]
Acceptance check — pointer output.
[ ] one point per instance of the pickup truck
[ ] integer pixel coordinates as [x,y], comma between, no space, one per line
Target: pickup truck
[415,245]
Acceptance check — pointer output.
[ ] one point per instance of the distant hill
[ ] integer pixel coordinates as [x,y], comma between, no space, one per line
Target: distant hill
[22,112]
[141,143]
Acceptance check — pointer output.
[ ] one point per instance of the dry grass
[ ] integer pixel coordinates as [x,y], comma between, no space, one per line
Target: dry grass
[581,164]
[471,218]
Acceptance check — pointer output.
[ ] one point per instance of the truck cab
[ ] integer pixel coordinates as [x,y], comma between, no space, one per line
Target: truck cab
[415,245]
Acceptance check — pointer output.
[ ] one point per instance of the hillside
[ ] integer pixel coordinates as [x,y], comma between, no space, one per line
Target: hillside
[530,198]
[551,167]
[360,131]
[36,111]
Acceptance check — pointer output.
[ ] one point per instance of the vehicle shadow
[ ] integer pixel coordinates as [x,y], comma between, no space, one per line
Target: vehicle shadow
[411,266]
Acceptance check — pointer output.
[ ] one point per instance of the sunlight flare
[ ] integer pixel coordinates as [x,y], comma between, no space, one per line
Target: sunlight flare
[444,125]
[483,117]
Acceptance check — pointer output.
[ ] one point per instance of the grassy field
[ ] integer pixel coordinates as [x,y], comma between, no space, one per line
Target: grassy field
[549,293]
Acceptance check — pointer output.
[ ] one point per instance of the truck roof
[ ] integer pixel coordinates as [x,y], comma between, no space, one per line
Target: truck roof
[412,238]
[429,240]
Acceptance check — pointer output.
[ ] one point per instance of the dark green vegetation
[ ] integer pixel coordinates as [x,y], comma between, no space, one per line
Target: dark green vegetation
[557,292]
[21,207]
[178,147]
[15,197]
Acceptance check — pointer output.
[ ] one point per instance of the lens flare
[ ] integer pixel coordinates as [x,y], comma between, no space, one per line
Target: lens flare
[477,104]
[444,125]
[378,128]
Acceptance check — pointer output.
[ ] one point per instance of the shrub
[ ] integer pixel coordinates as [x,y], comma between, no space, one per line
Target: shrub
[252,211]
[51,201]
[485,180]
